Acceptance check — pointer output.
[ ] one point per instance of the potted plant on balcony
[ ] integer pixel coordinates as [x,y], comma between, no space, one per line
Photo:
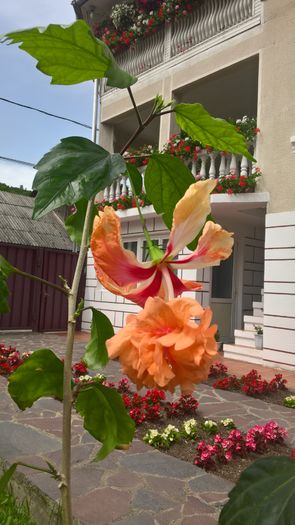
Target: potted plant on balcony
[258,337]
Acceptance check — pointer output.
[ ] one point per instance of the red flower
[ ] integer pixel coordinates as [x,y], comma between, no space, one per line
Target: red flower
[219,187]
[257,130]
[230,191]
[242,183]
[293,453]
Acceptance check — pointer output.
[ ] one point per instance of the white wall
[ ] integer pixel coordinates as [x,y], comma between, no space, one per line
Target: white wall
[279,289]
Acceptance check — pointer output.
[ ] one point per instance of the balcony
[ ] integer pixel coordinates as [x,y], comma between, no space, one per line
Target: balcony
[210,164]
[210,23]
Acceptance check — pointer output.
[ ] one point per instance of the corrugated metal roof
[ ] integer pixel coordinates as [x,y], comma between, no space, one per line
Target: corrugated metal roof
[18,227]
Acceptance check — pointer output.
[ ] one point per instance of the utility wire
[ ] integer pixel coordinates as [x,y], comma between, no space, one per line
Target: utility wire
[45,112]
[17,160]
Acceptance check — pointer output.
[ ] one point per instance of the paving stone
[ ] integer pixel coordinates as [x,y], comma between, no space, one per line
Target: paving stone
[172,487]
[169,517]
[156,463]
[139,519]
[209,482]
[194,506]
[152,501]
[17,439]
[214,497]
[124,480]
[102,506]
[85,479]
[201,520]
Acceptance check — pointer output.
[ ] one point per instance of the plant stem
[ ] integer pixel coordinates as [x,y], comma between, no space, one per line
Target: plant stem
[65,485]
[141,217]
[135,107]
[47,471]
[40,280]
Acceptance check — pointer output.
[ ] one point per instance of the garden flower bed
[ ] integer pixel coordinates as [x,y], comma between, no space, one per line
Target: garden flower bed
[252,384]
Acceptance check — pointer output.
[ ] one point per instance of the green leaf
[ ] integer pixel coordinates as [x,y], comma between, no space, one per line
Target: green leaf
[75,169]
[166,180]
[41,375]
[6,477]
[216,132]
[96,355]
[5,270]
[105,417]
[116,76]
[5,267]
[74,223]
[70,54]
[135,177]
[263,495]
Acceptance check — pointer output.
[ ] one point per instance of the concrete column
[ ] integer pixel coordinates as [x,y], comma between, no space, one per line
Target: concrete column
[107,137]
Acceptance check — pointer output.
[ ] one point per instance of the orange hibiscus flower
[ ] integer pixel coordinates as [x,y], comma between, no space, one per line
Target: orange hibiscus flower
[163,347]
[121,273]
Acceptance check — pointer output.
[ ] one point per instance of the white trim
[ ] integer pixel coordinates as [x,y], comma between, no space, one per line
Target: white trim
[292,140]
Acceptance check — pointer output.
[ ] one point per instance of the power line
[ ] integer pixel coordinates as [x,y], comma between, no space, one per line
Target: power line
[17,160]
[45,112]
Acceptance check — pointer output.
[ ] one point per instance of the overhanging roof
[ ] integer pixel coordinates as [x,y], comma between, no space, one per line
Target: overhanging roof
[18,227]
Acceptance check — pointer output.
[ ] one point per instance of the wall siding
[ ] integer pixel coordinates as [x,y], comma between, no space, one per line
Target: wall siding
[253,269]
[279,289]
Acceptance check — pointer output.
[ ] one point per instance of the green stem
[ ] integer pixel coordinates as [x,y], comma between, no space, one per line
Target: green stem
[141,217]
[40,469]
[40,280]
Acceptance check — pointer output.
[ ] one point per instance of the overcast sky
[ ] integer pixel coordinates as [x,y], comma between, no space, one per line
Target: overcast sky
[26,135]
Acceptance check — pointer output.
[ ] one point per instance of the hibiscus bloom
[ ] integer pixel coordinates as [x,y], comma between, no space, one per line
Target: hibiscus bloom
[121,273]
[163,347]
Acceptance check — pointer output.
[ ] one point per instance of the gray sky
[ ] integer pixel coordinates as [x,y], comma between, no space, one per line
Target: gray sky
[24,134]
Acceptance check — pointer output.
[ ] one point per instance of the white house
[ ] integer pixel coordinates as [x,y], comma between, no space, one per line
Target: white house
[236,57]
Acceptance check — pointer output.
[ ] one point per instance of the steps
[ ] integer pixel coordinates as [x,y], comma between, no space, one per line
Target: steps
[243,353]
[244,347]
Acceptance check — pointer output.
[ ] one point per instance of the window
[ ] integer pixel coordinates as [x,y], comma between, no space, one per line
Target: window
[131,245]
[222,279]
[161,243]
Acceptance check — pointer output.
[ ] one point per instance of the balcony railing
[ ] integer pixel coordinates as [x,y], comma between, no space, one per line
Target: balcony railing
[210,164]
[208,20]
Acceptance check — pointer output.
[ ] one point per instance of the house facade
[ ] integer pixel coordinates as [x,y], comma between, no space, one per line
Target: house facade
[236,57]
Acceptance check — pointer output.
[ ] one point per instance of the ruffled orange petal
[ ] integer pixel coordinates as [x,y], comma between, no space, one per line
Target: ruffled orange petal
[189,215]
[161,346]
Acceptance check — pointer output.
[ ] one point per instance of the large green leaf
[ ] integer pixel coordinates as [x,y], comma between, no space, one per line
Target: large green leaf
[70,54]
[217,133]
[75,223]
[264,494]
[166,181]
[41,375]
[135,177]
[96,355]
[5,270]
[105,417]
[74,169]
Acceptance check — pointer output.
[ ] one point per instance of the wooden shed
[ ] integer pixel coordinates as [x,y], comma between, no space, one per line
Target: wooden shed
[40,247]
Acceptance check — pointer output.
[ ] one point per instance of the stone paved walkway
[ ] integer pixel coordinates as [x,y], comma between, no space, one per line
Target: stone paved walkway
[138,486]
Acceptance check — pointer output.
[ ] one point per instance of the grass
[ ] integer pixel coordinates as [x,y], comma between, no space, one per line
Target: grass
[12,512]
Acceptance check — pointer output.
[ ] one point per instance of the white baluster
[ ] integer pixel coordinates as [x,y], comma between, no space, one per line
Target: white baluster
[233,167]
[124,186]
[212,168]
[222,167]
[194,168]
[203,156]
[112,192]
[106,194]
[244,167]
[118,187]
